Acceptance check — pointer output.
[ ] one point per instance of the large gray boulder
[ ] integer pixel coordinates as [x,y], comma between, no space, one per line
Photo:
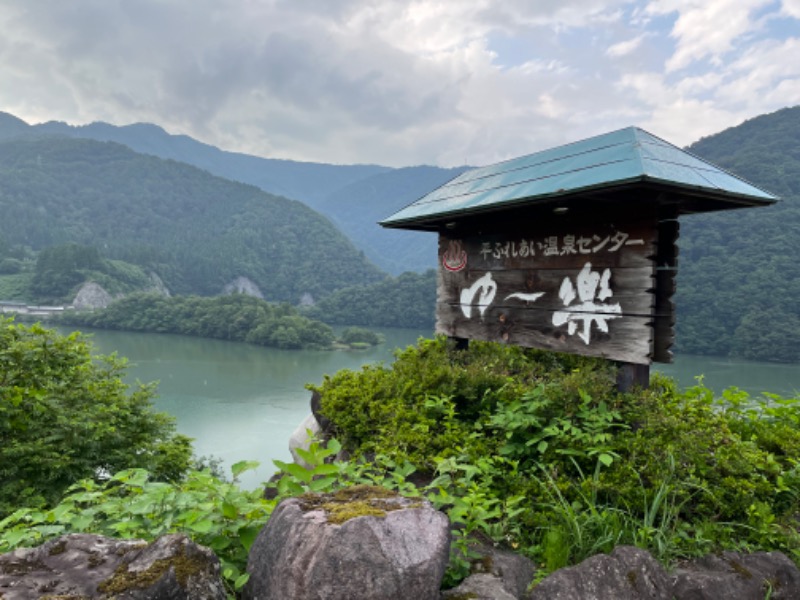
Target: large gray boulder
[627,573]
[91,566]
[362,542]
[736,576]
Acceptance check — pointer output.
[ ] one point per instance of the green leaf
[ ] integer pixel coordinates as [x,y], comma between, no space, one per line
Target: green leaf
[242,466]
[229,511]
[241,581]
[294,470]
[248,535]
[318,485]
[81,522]
[203,526]
[606,459]
[326,469]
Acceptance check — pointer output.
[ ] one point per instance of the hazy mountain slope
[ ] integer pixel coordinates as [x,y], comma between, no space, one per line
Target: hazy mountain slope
[11,126]
[357,208]
[304,181]
[355,197]
[197,231]
[739,277]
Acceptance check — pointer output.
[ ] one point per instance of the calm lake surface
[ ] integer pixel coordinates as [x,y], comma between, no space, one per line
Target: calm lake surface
[241,402]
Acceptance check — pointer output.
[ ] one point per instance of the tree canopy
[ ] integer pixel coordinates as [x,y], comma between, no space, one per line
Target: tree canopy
[66,415]
[739,277]
[236,317]
[198,232]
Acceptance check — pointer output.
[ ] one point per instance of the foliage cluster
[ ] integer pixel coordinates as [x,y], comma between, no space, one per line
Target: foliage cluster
[131,505]
[65,416]
[60,270]
[533,449]
[739,278]
[539,451]
[234,317]
[359,337]
[407,300]
[161,216]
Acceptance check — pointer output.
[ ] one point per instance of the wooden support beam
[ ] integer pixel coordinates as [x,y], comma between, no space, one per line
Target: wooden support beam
[630,376]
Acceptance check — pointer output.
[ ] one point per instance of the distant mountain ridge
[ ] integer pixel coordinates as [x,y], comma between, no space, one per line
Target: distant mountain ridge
[197,231]
[355,197]
[304,181]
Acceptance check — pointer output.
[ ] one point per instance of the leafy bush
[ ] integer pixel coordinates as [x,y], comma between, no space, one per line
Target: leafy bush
[353,336]
[539,451]
[65,416]
[130,504]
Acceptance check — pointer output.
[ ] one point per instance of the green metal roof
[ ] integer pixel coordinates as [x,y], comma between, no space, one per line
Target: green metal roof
[628,157]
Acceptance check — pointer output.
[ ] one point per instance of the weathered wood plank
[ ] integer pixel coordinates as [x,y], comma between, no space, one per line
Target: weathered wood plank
[625,338]
[666,285]
[632,288]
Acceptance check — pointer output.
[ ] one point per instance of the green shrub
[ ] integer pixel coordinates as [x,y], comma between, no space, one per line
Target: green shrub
[540,452]
[66,415]
[130,504]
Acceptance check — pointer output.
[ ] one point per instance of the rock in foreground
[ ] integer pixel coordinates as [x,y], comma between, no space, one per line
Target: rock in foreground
[362,542]
[91,566]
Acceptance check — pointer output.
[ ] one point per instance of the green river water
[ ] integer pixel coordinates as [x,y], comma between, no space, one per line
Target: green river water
[241,402]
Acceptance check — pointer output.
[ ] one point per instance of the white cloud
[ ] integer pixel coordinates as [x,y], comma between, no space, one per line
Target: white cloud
[394,81]
[625,47]
[706,28]
[791,8]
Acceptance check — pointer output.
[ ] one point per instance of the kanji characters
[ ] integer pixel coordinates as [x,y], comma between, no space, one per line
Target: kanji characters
[590,287]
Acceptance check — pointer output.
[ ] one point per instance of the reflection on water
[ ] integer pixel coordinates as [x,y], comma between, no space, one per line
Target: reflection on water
[241,402]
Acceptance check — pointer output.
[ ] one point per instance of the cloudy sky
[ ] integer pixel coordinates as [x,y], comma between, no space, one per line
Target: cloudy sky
[400,83]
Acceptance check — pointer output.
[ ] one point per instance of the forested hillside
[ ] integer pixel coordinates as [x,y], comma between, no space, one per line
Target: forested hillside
[357,208]
[739,278]
[305,181]
[196,231]
[407,300]
[356,197]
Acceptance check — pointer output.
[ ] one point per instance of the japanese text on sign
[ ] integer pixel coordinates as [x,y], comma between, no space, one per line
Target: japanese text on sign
[559,246]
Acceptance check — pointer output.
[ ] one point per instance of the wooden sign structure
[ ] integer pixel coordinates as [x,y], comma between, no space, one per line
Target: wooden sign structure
[585,290]
[572,249]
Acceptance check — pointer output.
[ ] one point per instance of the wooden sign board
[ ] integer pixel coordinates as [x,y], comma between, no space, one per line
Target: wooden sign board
[584,289]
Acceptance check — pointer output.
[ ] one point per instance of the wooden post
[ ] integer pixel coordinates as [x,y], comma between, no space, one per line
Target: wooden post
[631,375]
[460,343]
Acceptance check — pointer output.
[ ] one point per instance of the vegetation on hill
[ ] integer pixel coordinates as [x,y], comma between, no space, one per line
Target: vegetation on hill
[408,300]
[236,317]
[66,415]
[196,231]
[305,181]
[739,278]
[355,197]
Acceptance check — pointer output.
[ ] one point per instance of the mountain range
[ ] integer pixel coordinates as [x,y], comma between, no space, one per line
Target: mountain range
[738,283]
[196,231]
[354,197]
